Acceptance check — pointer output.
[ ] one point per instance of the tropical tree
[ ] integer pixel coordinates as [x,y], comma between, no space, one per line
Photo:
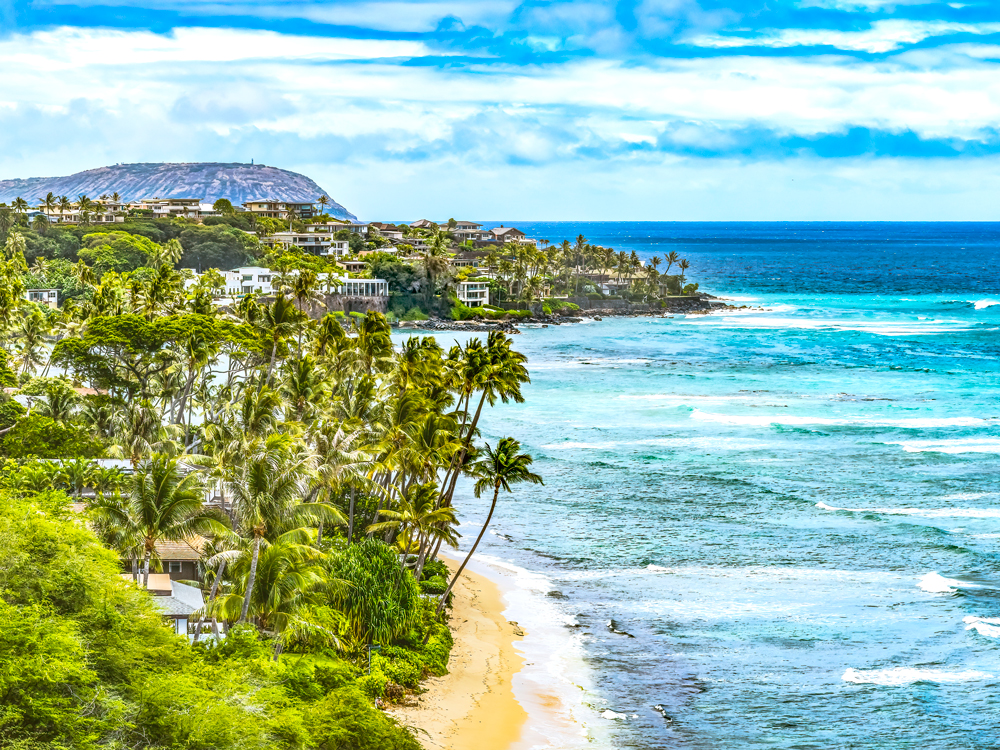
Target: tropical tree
[164,503]
[498,469]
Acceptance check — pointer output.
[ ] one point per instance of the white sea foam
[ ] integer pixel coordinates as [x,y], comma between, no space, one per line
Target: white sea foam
[909,675]
[934,583]
[984,303]
[554,661]
[923,512]
[764,420]
[739,318]
[956,446]
[987,626]
[682,443]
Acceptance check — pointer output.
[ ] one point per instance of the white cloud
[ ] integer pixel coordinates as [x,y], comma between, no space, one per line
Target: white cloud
[883,36]
[372,130]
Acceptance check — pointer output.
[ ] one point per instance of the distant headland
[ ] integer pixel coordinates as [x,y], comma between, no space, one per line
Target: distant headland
[206,181]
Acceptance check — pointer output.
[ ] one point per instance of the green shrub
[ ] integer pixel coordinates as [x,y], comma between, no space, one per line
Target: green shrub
[415,313]
[434,585]
[373,685]
[435,568]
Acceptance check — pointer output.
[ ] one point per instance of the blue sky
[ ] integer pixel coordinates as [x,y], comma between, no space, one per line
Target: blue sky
[641,109]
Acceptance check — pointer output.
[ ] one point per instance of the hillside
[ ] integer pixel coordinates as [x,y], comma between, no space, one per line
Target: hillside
[206,181]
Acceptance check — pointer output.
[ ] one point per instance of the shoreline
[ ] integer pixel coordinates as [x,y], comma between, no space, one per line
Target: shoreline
[503,691]
[696,306]
[473,706]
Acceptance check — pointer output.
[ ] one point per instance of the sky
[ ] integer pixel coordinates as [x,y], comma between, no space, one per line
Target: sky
[544,109]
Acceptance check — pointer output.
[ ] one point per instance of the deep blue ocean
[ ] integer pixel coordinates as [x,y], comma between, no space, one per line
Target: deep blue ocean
[794,510]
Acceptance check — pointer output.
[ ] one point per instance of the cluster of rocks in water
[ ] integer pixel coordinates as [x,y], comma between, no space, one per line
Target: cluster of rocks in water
[699,305]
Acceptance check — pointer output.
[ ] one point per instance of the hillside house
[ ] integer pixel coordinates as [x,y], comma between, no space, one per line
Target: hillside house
[278,209]
[47,297]
[313,242]
[511,234]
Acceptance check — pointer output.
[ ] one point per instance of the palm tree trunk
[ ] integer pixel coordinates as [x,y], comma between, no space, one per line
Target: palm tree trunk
[251,578]
[482,531]
[211,598]
[350,519]
[145,568]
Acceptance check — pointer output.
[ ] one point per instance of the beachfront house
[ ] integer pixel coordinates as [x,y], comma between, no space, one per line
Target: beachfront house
[389,231]
[421,224]
[474,293]
[181,560]
[47,297]
[364,288]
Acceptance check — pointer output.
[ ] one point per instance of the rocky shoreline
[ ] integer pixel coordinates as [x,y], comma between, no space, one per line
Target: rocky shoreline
[700,305]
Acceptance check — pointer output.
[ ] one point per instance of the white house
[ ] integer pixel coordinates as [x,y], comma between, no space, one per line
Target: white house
[314,242]
[279,209]
[364,288]
[249,280]
[474,293]
[47,297]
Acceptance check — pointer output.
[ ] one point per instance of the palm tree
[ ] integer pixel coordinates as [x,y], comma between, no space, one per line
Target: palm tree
[285,582]
[498,469]
[20,205]
[277,322]
[49,202]
[77,474]
[164,504]
[65,204]
[672,258]
[30,334]
[416,514]
[684,266]
[267,485]
[323,201]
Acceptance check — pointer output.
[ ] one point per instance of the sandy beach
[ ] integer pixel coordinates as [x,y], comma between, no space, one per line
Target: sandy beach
[473,706]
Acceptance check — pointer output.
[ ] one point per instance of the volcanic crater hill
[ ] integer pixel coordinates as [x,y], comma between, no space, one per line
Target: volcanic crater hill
[203,180]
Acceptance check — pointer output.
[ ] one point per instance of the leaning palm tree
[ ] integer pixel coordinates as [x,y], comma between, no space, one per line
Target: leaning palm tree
[498,469]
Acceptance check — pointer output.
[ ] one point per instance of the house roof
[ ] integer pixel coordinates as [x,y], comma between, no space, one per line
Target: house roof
[500,231]
[174,599]
[188,549]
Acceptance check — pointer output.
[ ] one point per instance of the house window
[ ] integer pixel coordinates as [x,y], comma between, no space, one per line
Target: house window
[174,566]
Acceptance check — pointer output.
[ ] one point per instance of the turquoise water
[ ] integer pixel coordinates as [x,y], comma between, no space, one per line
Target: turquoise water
[795,512]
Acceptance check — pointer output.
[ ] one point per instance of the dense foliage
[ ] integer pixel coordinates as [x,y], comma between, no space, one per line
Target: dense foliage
[312,463]
[86,661]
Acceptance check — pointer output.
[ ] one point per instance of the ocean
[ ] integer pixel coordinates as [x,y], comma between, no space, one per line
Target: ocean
[793,510]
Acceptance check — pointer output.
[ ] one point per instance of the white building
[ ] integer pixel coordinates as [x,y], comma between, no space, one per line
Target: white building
[474,293]
[278,209]
[249,280]
[47,297]
[364,288]
[169,208]
[314,242]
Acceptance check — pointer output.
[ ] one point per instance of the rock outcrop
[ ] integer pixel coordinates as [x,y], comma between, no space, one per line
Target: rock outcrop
[203,180]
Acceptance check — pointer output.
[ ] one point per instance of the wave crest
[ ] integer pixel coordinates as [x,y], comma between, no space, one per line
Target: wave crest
[909,675]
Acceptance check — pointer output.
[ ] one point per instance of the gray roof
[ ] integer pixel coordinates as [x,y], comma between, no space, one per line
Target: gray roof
[183,601]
